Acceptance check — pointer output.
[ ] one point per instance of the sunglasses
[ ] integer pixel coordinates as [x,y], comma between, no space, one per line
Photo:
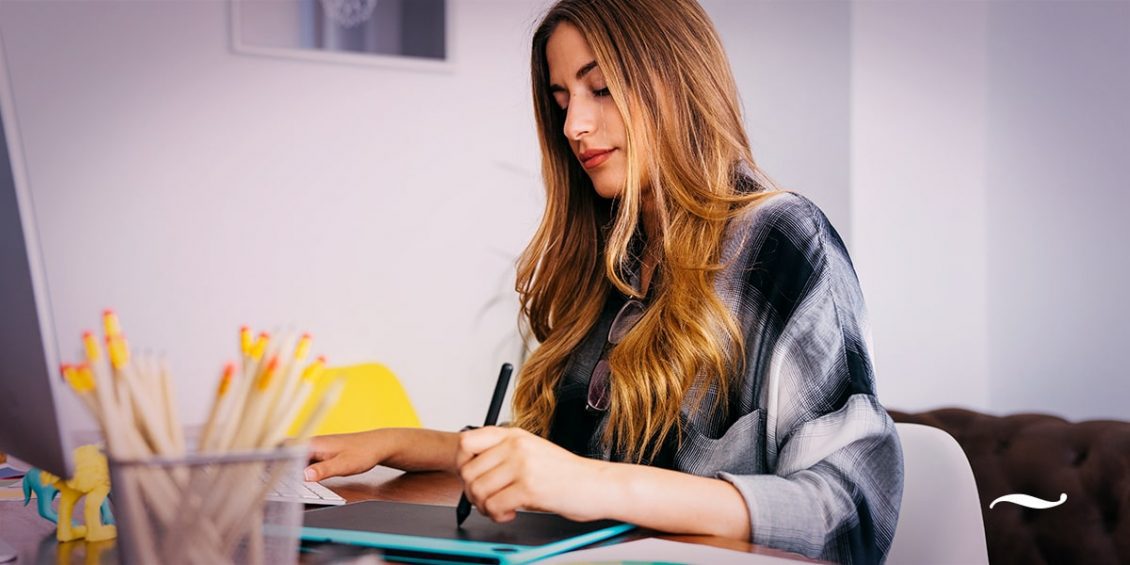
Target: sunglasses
[599,390]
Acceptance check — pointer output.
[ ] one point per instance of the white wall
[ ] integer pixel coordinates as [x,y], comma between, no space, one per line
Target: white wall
[792,63]
[1058,201]
[918,197]
[989,204]
[195,190]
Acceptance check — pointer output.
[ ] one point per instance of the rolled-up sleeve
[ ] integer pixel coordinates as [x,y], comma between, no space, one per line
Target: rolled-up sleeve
[834,466]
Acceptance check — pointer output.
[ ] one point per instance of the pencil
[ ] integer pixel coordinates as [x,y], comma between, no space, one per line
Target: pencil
[309,375]
[217,406]
[102,383]
[172,416]
[241,395]
[328,401]
[83,385]
[251,424]
[464,508]
[280,400]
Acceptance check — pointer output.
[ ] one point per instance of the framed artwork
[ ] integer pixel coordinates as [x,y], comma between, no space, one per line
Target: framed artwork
[411,34]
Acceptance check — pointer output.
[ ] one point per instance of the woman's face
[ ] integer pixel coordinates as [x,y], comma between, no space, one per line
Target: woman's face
[592,124]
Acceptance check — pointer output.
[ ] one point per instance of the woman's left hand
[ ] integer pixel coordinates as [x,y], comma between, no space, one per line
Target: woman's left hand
[507,469]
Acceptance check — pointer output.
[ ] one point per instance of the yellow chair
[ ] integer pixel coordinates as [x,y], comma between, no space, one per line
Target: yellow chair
[372,398]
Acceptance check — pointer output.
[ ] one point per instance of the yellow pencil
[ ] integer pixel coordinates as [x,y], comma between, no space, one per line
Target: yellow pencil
[245,342]
[138,393]
[328,401]
[172,417]
[103,384]
[251,423]
[118,355]
[110,325]
[308,380]
[83,387]
[280,399]
[232,418]
[217,405]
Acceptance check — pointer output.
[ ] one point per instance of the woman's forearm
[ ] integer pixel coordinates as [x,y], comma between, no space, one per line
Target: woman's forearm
[416,449]
[673,502]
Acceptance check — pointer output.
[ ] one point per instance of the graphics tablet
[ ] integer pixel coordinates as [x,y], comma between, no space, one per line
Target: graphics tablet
[423,533]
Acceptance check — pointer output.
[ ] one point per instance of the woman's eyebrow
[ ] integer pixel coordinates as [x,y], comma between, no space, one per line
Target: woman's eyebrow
[581,72]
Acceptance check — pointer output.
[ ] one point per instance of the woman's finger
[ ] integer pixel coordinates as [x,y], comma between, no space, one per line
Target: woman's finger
[493,480]
[474,467]
[331,467]
[503,505]
[472,443]
[321,448]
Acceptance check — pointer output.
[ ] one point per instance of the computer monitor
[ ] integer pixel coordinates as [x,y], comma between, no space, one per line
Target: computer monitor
[31,426]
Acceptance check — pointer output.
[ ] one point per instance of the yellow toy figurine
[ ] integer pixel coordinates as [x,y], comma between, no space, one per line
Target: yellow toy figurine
[92,480]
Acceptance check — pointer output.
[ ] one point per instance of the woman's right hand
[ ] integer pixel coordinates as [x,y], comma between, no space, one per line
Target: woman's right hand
[344,454]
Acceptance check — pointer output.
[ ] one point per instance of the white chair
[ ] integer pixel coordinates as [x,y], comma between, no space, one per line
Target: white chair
[940,520]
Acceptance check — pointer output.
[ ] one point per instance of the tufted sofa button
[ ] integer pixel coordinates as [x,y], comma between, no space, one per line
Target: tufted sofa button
[1080,457]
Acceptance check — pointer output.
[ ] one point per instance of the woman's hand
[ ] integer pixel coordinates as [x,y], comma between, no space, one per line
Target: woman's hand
[407,449]
[507,469]
[344,454]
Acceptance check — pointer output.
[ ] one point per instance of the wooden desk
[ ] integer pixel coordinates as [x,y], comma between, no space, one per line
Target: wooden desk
[34,537]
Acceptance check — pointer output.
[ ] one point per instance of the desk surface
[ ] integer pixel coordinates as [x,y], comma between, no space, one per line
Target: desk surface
[34,537]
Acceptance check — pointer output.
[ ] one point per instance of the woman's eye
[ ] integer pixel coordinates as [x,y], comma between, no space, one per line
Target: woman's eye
[602,92]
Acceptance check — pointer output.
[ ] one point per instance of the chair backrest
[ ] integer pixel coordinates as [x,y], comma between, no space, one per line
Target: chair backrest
[372,398]
[940,519]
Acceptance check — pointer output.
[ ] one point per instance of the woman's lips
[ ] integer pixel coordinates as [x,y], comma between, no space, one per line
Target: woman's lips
[596,159]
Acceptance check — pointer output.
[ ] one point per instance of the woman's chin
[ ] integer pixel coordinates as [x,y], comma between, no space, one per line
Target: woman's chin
[608,190]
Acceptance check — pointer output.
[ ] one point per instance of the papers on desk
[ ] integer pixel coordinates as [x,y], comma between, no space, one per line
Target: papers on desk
[12,490]
[9,473]
[11,482]
[654,550]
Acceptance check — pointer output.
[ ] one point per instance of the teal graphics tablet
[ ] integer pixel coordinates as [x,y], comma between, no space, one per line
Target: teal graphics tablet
[424,533]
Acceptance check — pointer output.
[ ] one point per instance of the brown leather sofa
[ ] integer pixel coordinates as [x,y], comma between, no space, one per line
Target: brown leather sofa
[1043,456]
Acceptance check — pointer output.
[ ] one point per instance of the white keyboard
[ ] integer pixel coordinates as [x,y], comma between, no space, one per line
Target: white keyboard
[296,490]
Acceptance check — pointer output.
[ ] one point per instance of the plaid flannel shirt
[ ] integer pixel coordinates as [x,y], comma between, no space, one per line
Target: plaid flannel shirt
[804,439]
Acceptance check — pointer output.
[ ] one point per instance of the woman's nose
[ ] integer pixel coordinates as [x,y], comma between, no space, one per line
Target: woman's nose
[580,119]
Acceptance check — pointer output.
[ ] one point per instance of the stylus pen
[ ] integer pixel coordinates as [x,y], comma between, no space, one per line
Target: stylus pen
[464,508]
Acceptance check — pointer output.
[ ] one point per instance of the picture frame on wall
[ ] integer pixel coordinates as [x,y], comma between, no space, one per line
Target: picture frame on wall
[406,34]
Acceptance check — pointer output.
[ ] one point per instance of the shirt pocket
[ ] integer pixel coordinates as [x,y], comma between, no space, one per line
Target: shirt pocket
[739,450]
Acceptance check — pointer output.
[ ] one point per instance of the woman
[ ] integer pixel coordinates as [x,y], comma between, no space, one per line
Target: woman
[703,363]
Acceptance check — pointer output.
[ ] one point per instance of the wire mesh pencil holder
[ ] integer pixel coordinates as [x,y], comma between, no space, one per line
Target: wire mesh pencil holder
[207,508]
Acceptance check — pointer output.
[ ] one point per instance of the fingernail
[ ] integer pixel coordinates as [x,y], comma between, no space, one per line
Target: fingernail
[308,474]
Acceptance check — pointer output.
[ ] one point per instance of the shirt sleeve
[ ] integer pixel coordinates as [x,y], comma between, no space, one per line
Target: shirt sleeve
[835,466]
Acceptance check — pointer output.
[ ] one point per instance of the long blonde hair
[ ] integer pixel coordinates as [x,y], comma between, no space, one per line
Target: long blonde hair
[669,78]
